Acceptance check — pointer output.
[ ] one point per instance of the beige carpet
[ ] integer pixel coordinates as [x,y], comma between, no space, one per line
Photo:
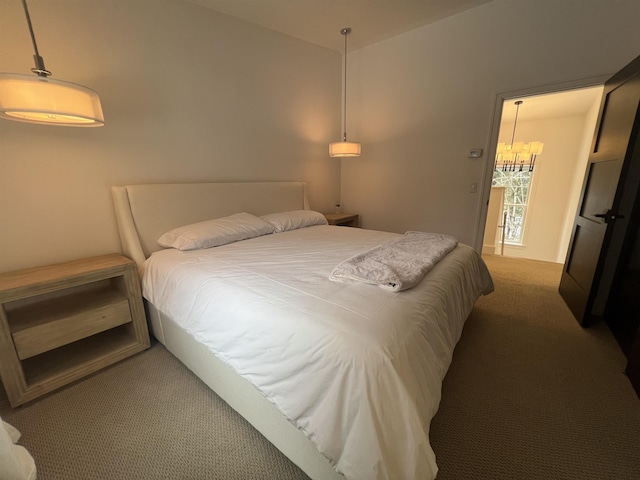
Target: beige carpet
[147,417]
[530,395]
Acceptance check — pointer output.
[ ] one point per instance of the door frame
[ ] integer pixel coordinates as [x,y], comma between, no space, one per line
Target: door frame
[487,170]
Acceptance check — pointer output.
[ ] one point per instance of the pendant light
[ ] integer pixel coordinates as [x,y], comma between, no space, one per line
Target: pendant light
[517,155]
[40,99]
[344,148]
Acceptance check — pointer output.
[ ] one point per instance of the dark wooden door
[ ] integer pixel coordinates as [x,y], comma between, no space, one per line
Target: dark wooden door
[622,312]
[600,223]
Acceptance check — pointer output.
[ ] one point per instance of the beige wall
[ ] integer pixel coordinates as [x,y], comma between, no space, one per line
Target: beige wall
[552,198]
[189,95]
[421,100]
[575,189]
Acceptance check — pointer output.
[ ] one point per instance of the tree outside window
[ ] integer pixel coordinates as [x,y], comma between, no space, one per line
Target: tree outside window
[516,197]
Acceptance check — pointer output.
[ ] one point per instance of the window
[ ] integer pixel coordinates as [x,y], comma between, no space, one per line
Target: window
[516,198]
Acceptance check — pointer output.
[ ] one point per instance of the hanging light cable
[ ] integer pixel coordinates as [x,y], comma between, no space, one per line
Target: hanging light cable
[513,156]
[344,148]
[40,99]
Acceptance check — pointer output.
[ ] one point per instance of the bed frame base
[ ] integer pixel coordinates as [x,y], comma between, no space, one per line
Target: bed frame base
[242,397]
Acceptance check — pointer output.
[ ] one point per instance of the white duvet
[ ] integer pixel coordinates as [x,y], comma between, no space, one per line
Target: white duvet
[356,368]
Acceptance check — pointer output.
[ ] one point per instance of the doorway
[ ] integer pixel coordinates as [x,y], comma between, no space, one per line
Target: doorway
[540,202]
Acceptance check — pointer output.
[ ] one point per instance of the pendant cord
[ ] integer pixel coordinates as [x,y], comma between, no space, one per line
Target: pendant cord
[39,69]
[515,121]
[345,32]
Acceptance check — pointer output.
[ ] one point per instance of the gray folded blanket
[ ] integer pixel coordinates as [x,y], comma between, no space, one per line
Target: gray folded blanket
[396,265]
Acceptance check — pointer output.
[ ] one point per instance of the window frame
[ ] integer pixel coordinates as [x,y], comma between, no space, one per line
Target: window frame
[528,207]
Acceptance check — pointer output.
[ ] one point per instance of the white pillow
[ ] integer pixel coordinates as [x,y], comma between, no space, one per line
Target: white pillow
[212,233]
[295,219]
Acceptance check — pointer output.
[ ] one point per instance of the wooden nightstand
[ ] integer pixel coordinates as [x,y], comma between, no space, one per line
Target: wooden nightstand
[62,322]
[343,219]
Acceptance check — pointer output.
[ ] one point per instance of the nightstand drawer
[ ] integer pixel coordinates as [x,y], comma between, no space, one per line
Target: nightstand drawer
[43,326]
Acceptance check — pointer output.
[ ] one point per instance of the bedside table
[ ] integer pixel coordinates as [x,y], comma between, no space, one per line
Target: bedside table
[343,219]
[61,322]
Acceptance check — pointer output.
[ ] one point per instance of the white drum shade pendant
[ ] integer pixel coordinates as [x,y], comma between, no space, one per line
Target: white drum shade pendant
[28,98]
[344,148]
[40,99]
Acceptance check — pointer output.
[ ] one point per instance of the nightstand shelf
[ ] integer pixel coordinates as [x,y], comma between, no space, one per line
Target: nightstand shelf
[62,322]
[343,219]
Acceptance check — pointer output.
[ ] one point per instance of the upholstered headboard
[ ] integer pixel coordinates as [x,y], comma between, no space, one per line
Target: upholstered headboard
[145,212]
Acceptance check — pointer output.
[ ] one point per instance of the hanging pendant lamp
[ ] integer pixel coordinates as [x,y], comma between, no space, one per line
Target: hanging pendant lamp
[344,148]
[40,99]
[517,155]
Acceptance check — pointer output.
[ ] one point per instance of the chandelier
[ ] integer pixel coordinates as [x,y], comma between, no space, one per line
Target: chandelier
[517,155]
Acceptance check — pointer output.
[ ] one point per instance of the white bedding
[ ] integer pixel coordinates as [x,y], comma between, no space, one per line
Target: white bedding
[356,368]
[15,461]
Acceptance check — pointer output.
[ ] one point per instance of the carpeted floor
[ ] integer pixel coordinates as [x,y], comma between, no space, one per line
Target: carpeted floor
[147,417]
[530,395]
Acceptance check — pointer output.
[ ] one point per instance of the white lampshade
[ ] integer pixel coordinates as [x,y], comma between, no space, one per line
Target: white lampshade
[344,149]
[517,147]
[536,147]
[35,99]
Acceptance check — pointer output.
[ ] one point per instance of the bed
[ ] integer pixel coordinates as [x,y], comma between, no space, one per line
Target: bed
[343,378]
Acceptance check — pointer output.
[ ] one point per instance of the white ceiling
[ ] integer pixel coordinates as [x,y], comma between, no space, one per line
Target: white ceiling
[552,105]
[320,21]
